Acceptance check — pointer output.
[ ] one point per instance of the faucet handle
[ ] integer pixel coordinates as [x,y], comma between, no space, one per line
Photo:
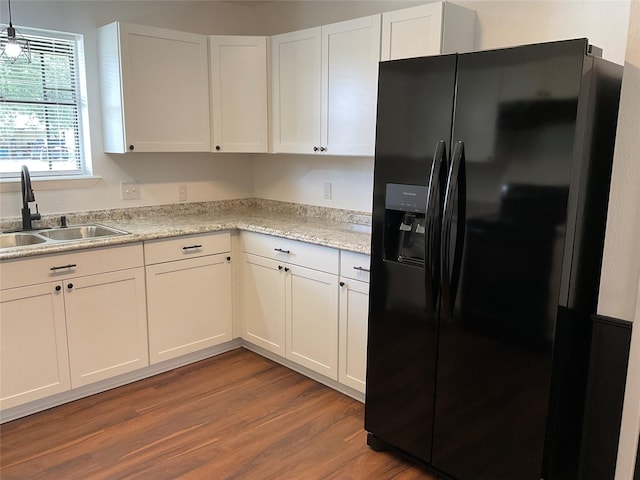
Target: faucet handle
[36,216]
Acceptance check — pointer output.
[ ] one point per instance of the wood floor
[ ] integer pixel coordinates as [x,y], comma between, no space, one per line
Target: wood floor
[234,416]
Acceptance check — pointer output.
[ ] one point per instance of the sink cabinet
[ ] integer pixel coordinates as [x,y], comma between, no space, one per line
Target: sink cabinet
[325,87]
[189,294]
[155,89]
[59,311]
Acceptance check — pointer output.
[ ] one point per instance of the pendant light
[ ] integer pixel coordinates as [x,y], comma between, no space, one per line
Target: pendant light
[13,45]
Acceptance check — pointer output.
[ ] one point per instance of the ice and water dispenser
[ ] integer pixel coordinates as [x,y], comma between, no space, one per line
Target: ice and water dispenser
[404,235]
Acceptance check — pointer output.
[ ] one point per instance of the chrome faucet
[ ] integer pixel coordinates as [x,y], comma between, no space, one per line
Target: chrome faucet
[27,196]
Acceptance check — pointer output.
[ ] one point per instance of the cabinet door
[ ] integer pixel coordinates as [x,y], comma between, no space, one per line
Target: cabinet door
[312,320]
[239,93]
[412,32]
[263,302]
[296,70]
[350,56]
[189,306]
[33,344]
[155,89]
[354,313]
[106,325]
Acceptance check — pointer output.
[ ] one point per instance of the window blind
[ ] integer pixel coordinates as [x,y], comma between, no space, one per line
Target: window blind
[40,108]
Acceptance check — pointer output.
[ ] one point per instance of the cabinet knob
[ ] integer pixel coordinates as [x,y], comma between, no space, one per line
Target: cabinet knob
[280,267]
[218,147]
[286,269]
[342,284]
[131,147]
[58,288]
[228,259]
[70,286]
[315,149]
[322,149]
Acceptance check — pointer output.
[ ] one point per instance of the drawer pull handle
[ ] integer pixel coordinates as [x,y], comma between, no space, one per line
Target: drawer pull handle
[71,265]
[362,269]
[282,251]
[191,247]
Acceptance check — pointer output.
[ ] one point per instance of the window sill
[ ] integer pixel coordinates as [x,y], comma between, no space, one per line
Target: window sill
[50,183]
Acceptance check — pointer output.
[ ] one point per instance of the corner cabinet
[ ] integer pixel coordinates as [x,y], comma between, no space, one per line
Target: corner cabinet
[238,67]
[290,300]
[325,88]
[155,89]
[430,29]
[189,294]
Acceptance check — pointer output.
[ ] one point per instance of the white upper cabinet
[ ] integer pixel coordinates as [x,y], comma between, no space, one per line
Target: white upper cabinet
[429,29]
[325,87]
[155,89]
[239,93]
[296,74]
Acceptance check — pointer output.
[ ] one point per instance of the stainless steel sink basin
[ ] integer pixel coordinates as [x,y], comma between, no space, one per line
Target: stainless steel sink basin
[8,240]
[57,235]
[80,232]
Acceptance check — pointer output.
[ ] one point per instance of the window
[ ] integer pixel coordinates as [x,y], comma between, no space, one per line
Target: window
[43,108]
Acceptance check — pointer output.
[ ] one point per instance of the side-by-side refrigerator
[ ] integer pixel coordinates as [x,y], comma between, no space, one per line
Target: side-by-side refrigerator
[491,185]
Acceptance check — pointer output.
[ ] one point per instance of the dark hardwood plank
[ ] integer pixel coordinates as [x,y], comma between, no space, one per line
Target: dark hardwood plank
[234,416]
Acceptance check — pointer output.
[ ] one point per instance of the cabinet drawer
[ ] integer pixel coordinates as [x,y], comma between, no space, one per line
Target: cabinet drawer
[294,252]
[186,246]
[354,265]
[45,268]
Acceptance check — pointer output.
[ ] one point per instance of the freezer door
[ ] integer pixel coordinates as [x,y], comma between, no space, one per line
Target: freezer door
[415,105]
[514,135]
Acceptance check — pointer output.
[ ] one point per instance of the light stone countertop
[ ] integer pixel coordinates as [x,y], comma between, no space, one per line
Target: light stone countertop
[341,229]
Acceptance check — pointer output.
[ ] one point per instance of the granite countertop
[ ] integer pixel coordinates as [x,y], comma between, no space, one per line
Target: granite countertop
[341,229]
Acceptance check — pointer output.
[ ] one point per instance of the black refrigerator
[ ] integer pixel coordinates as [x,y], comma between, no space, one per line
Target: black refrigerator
[491,185]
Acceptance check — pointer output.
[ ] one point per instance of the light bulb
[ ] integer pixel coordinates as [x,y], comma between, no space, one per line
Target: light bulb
[12,49]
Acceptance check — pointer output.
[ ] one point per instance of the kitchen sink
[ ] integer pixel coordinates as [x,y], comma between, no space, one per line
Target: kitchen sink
[80,232]
[9,240]
[57,235]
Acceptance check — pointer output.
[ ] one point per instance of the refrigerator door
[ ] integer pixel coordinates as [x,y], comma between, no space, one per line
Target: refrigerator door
[415,106]
[515,124]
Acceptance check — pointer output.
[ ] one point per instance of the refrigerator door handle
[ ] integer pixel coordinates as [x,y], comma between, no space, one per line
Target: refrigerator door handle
[455,196]
[432,243]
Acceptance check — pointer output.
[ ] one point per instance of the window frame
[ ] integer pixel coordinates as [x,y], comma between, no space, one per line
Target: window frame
[80,88]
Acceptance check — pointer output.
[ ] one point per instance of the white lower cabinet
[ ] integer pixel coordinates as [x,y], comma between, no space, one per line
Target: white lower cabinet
[33,344]
[189,294]
[106,325]
[289,308]
[312,320]
[70,319]
[354,317]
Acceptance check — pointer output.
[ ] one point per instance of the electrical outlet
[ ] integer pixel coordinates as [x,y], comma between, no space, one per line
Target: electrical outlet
[182,193]
[327,191]
[130,190]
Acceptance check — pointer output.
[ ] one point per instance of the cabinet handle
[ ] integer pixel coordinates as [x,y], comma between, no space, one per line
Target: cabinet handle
[286,269]
[315,149]
[58,288]
[218,147]
[280,267]
[342,284]
[282,251]
[191,247]
[70,286]
[131,147]
[71,265]
[323,149]
[362,269]
[228,259]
